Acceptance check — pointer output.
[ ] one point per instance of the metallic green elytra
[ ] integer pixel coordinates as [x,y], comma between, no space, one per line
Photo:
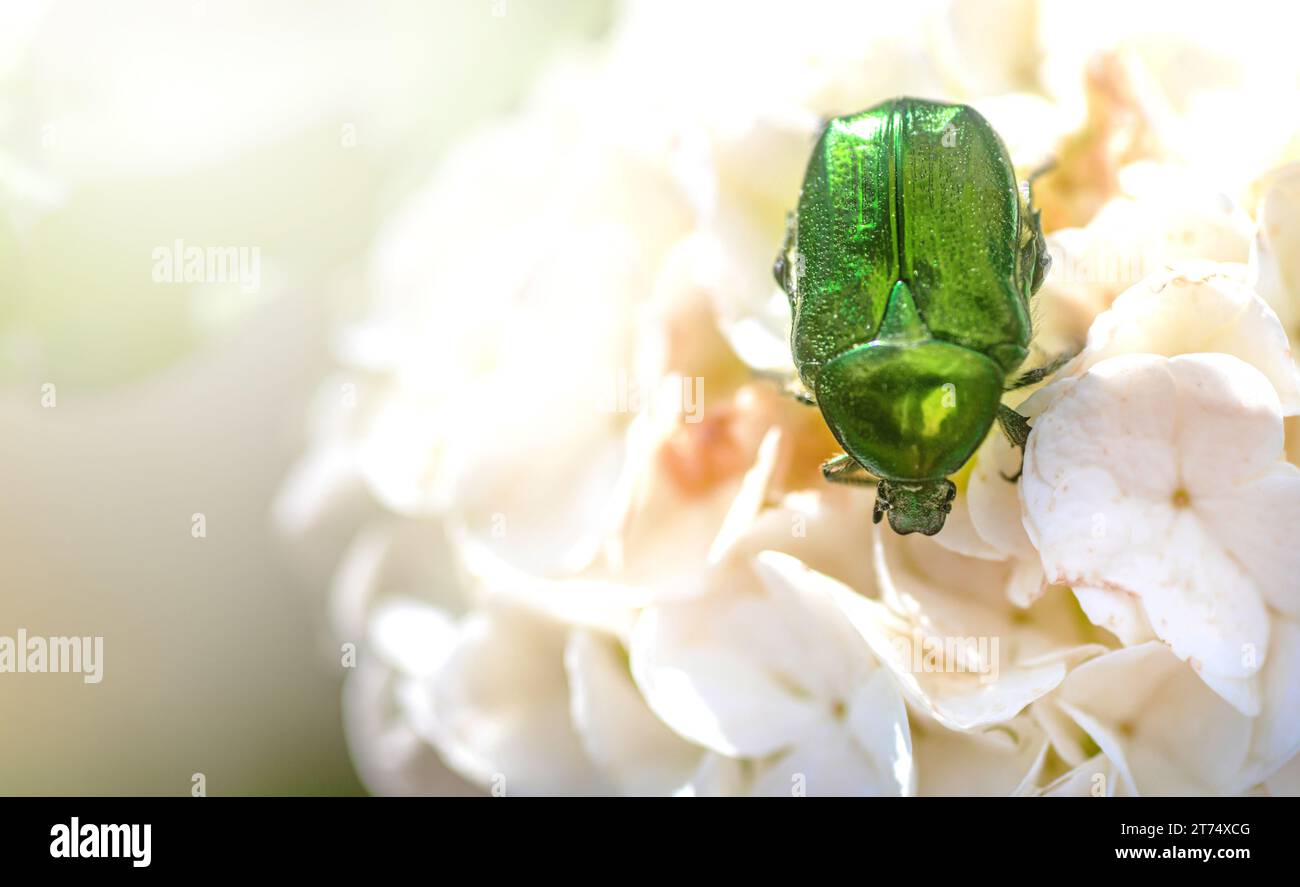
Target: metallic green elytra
[909,264]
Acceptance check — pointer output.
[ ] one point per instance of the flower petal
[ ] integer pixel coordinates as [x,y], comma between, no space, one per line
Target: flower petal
[740,670]
[1275,255]
[1257,524]
[1143,730]
[998,760]
[829,761]
[499,706]
[1115,491]
[974,690]
[1277,729]
[1119,612]
[1197,307]
[621,735]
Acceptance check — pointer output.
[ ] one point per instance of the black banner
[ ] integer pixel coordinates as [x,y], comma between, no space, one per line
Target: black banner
[175,835]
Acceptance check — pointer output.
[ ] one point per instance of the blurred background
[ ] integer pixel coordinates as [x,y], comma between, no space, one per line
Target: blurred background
[128,407]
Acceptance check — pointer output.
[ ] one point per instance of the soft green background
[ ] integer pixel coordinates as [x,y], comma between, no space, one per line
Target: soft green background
[291,126]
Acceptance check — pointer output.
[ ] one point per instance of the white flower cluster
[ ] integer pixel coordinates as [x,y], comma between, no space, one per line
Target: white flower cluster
[599,555]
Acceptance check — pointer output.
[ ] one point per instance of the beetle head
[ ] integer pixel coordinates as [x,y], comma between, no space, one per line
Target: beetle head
[914,506]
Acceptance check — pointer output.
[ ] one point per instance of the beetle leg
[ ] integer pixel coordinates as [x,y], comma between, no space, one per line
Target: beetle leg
[1016,427]
[844,469]
[1043,169]
[1038,374]
[789,384]
[785,263]
[1040,260]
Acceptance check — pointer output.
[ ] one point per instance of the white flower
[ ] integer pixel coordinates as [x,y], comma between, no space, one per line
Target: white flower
[1196,307]
[970,665]
[490,695]
[760,668]
[1192,67]
[1286,781]
[557,597]
[391,754]
[1155,487]
[1192,307]
[481,406]
[985,519]
[1275,253]
[454,665]
[935,606]
[1162,215]
[512,700]
[1003,759]
[618,730]
[1142,732]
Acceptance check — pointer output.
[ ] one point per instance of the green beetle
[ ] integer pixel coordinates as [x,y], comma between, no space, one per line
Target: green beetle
[909,265]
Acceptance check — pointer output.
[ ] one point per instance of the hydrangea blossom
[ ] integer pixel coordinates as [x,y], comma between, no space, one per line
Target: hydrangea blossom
[556,593]
[1157,488]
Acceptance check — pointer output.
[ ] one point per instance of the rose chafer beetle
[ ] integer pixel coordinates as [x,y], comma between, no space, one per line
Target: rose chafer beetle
[909,265]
